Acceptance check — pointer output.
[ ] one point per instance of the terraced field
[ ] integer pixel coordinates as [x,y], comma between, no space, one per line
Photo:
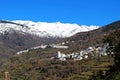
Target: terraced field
[90,67]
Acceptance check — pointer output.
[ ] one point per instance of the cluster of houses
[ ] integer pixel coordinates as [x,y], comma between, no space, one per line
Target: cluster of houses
[90,52]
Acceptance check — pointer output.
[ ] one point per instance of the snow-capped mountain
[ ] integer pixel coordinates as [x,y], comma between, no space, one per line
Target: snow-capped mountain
[44,29]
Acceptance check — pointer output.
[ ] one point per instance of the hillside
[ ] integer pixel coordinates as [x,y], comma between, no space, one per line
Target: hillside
[20,35]
[11,43]
[31,67]
[91,38]
[41,64]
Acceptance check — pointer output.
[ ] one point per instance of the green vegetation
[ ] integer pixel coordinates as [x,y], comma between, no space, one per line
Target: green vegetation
[114,71]
[30,67]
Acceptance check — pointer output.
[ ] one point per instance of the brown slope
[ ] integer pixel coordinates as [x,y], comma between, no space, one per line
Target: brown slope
[10,43]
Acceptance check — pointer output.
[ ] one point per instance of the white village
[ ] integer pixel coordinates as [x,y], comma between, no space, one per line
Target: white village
[90,52]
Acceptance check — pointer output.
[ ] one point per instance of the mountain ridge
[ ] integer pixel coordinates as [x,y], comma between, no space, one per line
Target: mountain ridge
[45,29]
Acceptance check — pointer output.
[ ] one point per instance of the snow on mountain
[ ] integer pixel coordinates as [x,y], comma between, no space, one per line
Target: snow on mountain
[45,29]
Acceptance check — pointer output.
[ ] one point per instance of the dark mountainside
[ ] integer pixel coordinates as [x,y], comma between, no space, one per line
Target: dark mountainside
[12,42]
[91,38]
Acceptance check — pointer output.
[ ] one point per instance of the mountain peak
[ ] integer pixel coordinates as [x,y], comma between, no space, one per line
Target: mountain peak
[45,29]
